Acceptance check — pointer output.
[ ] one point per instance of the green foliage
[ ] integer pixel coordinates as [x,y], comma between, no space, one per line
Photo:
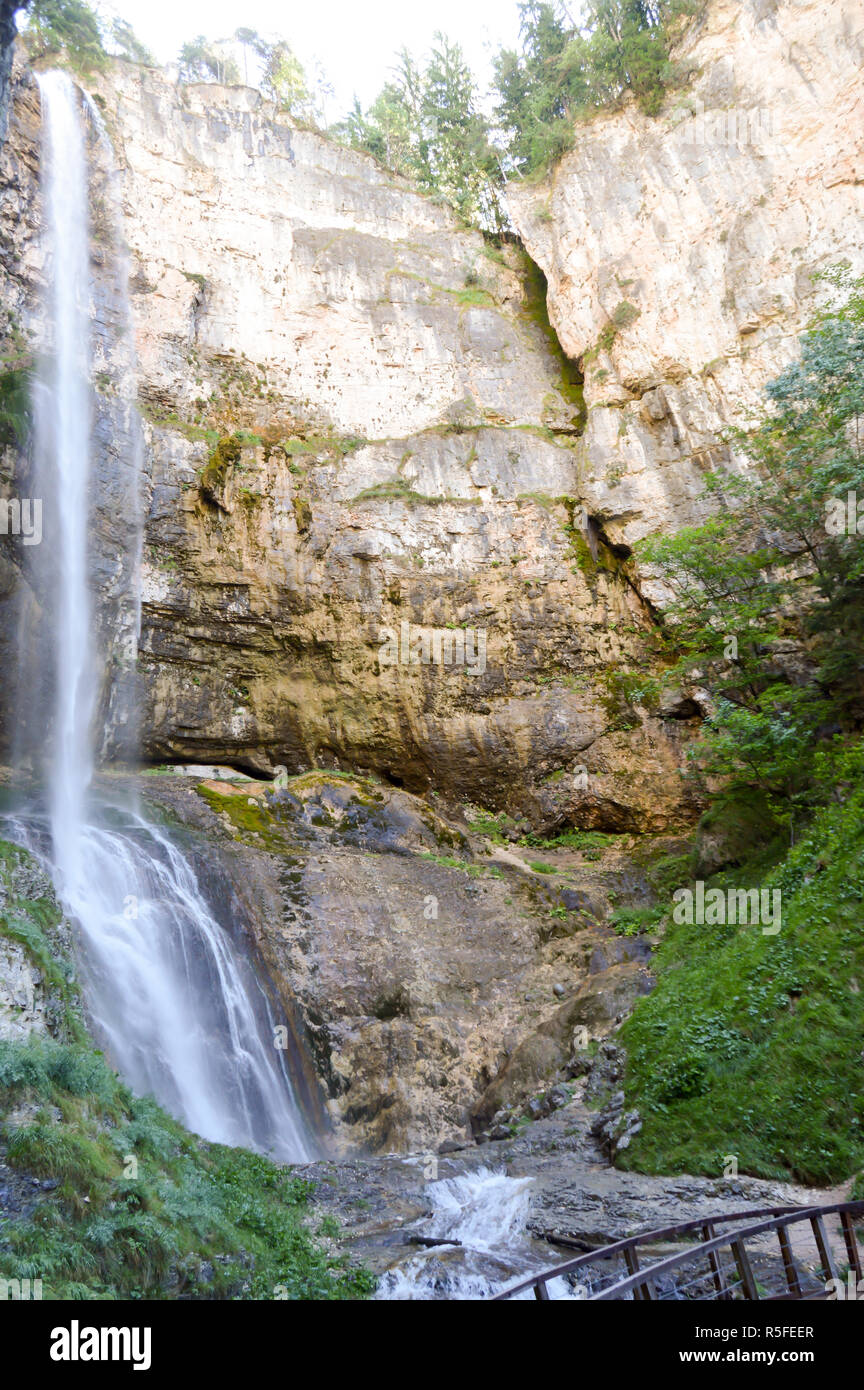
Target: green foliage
[564,72]
[751,1044]
[207,60]
[428,124]
[765,578]
[283,78]
[187,1218]
[248,58]
[126,44]
[225,454]
[493,827]
[589,842]
[55,28]
[624,314]
[69,27]
[631,921]
[15,407]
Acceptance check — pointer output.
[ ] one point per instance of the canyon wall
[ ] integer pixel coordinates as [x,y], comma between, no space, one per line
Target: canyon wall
[357,417]
[358,423]
[680,250]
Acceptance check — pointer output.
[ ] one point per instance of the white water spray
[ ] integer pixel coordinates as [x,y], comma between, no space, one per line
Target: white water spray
[479,1221]
[63,426]
[175,1003]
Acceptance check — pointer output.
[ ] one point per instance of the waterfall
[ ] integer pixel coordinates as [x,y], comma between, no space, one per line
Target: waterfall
[175,1003]
[63,411]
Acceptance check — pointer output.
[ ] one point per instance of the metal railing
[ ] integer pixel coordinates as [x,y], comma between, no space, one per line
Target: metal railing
[716,1266]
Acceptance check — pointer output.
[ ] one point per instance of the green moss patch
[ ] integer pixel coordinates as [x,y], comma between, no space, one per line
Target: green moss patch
[751,1044]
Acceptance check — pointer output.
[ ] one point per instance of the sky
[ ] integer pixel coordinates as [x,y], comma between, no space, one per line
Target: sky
[354,41]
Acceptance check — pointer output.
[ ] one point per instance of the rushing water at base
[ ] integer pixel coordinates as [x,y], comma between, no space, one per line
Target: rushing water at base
[173,1000]
[481,1218]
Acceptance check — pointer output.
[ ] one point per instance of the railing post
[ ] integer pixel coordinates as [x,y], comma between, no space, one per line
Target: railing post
[829,1269]
[541,1292]
[643,1292]
[853,1250]
[792,1280]
[714,1263]
[742,1260]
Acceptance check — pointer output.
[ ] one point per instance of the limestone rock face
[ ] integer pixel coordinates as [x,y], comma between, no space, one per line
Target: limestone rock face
[381,531]
[365,543]
[680,250]
[429,980]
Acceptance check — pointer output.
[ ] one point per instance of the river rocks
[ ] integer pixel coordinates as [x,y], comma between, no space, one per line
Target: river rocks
[573,1196]
[616,1127]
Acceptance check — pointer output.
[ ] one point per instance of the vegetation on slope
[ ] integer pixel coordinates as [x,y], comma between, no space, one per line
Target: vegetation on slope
[430,123]
[751,1044]
[565,72]
[109,1197]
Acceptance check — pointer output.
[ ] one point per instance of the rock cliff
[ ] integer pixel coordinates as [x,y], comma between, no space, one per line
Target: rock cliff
[680,251]
[362,435]
[358,423]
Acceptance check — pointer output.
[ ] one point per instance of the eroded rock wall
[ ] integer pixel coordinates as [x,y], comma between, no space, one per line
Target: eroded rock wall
[356,419]
[680,251]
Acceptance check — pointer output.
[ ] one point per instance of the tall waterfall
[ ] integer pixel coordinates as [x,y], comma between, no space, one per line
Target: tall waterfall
[63,440]
[176,1005]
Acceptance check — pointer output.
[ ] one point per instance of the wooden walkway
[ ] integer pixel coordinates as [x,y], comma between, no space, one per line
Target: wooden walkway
[765,1253]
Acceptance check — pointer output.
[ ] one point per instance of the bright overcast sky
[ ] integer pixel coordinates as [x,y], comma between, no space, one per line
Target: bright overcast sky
[353,40]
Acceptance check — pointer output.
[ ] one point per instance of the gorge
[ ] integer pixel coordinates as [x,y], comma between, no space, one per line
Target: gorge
[379,914]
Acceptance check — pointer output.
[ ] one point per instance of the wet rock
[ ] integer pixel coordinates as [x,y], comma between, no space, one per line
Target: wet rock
[544,1054]
[616,1128]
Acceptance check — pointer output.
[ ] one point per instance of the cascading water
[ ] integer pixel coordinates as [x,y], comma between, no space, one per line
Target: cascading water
[176,1005]
[63,440]
[481,1243]
[180,1011]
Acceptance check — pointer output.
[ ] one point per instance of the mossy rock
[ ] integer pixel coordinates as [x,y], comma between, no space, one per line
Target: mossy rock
[302,514]
[223,457]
